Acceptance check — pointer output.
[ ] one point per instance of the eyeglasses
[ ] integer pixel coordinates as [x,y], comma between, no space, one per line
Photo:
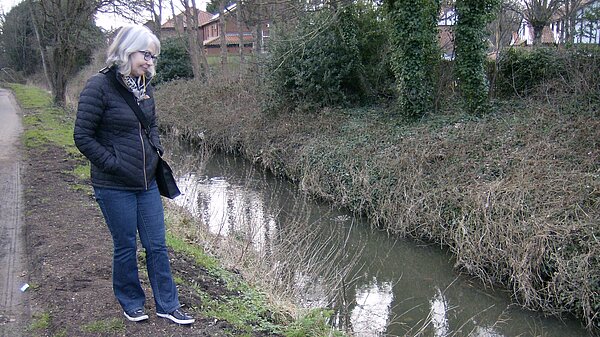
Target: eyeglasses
[148,55]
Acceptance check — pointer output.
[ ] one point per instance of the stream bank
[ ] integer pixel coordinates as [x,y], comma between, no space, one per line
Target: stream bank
[514,194]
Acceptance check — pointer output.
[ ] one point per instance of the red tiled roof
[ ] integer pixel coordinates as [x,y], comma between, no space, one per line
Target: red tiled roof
[203,17]
[230,39]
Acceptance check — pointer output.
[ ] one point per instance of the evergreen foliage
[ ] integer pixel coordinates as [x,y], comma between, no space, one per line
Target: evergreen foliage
[17,41]
[415,53]
[572,71]
[213,5]
[174,61]
[471,46]
[332,58]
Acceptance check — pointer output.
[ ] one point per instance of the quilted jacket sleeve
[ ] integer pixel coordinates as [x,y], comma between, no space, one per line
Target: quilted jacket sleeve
[154,132]
[89,115]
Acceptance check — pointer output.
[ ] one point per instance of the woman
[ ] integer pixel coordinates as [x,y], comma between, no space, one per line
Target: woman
[123,161]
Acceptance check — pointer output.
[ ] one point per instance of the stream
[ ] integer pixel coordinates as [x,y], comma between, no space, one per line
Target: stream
[376,285]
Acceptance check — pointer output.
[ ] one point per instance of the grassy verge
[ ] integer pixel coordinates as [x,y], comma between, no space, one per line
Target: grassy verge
[514,194]
[245,308]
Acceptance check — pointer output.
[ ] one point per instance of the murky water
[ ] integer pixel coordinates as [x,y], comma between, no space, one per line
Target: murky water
[378,286]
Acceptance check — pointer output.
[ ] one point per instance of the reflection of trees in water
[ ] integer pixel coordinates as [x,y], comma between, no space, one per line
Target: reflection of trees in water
[300,247]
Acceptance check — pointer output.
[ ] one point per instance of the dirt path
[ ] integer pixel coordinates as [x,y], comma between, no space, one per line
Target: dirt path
[53,237]
[14,304]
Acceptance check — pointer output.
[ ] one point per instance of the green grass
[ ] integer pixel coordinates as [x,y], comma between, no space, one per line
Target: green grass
[46,124]
[40,322]
[60,333]
[31,97]
[43,122]
[314,323]
[112,326]
[194,251]
[82,171]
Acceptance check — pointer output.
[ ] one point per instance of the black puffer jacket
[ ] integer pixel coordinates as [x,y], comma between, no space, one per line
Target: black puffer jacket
[110,135]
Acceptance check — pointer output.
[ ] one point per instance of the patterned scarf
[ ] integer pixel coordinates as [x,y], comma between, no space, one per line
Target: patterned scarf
[137,85]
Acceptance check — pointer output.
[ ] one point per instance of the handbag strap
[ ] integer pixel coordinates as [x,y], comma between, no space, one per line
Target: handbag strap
[128,96]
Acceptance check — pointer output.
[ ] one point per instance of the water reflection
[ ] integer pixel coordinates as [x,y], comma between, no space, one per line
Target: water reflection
[439,312]
[372,311]
[390,287]
[227,209]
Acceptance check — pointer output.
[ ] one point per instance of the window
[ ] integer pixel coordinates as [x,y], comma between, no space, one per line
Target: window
[448,18]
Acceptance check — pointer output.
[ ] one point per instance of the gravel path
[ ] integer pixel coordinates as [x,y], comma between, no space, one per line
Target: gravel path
[14,304]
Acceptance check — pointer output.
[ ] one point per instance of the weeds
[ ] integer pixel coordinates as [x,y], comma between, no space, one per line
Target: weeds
[40,322]
[241,305]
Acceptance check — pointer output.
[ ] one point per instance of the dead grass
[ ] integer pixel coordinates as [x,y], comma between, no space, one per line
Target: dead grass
[514,194]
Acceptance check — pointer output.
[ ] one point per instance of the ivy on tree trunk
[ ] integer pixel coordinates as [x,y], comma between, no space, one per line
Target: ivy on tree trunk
[415,53]
[471,51]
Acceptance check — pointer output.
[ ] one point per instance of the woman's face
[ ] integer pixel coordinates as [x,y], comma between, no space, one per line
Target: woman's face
[142,60]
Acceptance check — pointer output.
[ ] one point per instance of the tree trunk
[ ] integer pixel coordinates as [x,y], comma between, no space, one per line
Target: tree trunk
[257,46]
[538,30]
[191,36]
[222,36]
[240,27]
[62,64]
[199,38]
[156,12]
[39,44]
[176,23]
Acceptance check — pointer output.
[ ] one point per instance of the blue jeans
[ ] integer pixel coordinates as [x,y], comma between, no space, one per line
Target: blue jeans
[128,213]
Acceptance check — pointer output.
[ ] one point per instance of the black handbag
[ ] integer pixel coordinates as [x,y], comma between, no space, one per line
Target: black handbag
[164,175]
[165,180]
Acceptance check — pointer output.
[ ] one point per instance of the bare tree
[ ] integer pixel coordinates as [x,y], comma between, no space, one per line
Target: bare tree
[195,38]
[539,14]
[156,7]
[65,28]
[63,24]
[568,13]
[39,44]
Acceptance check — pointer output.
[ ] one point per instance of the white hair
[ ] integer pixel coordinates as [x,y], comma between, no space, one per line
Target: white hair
[131,39]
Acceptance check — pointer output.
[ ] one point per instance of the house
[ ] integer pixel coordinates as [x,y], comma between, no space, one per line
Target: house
[179,24]
[585,31]
[208,24]
[233,38]
[524,36]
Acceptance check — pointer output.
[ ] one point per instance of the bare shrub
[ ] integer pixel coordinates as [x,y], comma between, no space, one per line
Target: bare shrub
[76,84]
[8,75]
[218,111]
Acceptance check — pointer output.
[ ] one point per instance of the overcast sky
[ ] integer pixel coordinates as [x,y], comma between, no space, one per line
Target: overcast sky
[105,21]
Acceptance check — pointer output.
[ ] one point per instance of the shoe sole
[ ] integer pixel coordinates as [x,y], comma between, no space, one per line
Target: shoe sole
[178,321]
[136,319]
